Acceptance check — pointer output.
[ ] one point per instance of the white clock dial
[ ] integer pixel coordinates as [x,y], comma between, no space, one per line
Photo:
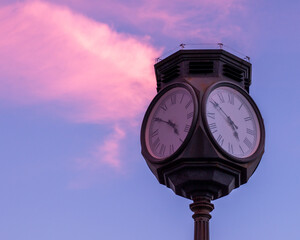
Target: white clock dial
[232,121]
[169,122]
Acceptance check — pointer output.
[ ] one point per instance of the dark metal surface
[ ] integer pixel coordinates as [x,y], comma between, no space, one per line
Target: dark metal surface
[201,208]
[200,170]
[216,63]
[201,166]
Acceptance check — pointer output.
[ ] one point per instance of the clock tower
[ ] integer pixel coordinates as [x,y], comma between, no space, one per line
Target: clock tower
[202,135]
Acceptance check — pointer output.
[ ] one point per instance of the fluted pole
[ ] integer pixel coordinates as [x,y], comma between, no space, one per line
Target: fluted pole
[201,208]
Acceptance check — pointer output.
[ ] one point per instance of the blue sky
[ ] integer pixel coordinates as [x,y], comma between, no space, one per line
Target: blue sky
[71,166]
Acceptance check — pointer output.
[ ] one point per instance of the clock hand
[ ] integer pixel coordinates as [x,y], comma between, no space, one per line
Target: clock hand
[173,125]
[169,122]
[235,133]
[176,131]
[160,120]
[217,106]
[228,119]
[232,123]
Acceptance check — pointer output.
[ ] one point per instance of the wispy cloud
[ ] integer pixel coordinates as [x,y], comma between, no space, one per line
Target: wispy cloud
[105,154]
[202,21]
[90,73]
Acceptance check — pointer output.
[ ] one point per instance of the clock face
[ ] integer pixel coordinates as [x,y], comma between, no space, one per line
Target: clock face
[232,121]
[170,120]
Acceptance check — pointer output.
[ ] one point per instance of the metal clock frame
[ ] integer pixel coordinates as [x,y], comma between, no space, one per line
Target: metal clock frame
[148,112]
[260,147]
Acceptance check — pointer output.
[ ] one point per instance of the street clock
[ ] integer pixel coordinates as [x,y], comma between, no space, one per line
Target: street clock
[169,122]
[202,134]
[232,121]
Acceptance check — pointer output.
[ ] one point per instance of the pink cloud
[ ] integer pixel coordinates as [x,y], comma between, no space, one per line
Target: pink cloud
[102,158]
[108,153]
[88,72]
[203,21]
[111,148]
[51,55]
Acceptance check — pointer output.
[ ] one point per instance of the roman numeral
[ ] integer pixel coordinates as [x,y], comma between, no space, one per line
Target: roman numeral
[221,97]
[212,126]
[220,139]
[230,148]
[250,131]
[241,106]
[171,149]
[190,115]
[155,133]
[162,150]
[211,115]
[247,143]
[156,143]
[241,149]
[164,107]
[181,98]
[187,128]
[231,98]
[247,118]
[173,99]
[188,104]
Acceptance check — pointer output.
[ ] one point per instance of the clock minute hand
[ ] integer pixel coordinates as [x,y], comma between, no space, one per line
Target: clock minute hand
[216,105]
[228,119]
[160,120]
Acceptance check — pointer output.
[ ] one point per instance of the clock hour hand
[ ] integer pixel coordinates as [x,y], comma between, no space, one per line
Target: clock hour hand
[232,123]
[173,125]
[169,122]
[236,135]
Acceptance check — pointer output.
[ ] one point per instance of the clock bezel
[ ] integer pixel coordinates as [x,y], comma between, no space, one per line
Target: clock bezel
[260,147]
[160,94]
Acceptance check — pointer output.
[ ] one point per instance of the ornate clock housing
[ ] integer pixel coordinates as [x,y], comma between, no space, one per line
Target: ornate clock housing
[232,120]
[202,135]
[169,122]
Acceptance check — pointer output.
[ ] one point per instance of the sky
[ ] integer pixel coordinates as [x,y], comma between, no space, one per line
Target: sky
[76,77]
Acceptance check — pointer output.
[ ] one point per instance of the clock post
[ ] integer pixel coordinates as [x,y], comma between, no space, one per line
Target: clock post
[201,208]
[202,135]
